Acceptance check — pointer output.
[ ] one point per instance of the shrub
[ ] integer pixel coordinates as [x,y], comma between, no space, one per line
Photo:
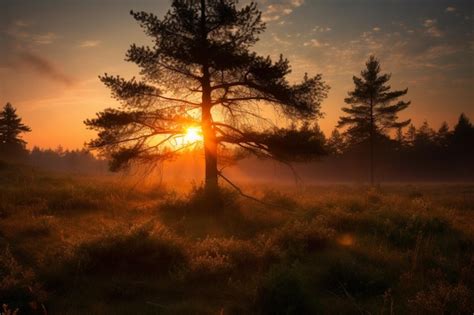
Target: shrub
[443,298]
[139,252]
[18,286]
[217,256]
[296,238]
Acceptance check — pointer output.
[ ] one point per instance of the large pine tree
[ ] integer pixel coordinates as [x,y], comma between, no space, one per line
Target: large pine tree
[201,73]
[373,108]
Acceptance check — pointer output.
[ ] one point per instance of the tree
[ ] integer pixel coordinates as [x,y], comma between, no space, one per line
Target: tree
[442,137]
[372,110]
[400,138]
[424,137]
[411,135]
[11,128]
[464,124]
[336,144]
[200,73]
[463,134]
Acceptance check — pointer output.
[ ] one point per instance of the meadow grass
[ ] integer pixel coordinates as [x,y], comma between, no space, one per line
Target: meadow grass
[85,245]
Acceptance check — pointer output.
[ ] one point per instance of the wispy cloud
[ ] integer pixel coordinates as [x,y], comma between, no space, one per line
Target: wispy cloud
[431,28]
[43,39]
[450,9]
[315,43]
[43,66]
[320,29]
[21,23]
[376,29]
[89,43]
[280,41]
[22,52]
[19,31]
[275,11]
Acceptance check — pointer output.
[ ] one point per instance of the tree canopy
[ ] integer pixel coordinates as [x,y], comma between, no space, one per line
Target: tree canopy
[201,72]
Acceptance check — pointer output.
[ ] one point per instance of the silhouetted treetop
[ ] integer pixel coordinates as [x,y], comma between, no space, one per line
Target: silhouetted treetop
[372,108]
[11,126]
[12,146]
[463,135]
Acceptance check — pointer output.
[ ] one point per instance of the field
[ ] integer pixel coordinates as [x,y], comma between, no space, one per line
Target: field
[85,245]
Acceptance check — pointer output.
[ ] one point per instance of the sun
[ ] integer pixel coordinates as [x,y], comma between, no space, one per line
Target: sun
[193,134]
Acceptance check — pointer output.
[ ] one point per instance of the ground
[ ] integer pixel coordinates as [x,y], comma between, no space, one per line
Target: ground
[85,245]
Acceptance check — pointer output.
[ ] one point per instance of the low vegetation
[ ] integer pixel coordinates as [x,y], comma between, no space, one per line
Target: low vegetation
[82,245]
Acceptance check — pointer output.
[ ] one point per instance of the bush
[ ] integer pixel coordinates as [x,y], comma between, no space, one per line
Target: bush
[296,238]
[218,256]
[18,286]
[443,298]
[139,252]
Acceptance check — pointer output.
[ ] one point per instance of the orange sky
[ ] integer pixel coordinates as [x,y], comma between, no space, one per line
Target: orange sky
[53,51]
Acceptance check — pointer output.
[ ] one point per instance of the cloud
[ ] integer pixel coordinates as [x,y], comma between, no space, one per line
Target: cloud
[21,52]
[320,29]
[280,41]
[376,29]
[20,23]
[431,28]
[450,9]
[42,66]
[43,39]
[19,31]
[315,43]
[89,43]
[275,11]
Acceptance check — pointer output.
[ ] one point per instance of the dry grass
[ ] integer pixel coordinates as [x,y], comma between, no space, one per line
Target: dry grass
[98,246]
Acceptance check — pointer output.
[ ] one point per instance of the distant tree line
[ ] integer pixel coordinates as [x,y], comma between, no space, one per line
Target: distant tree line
[76,161]
[417,153]
[13,149]
[369,144]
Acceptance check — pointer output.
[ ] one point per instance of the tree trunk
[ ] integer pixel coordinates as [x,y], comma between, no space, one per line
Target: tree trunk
[372,136]
[210,152]
[208,132]
[372,160]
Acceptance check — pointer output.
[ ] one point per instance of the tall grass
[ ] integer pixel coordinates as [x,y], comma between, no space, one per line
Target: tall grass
[94,246]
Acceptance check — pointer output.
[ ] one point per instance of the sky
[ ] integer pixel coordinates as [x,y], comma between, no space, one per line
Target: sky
[52,52]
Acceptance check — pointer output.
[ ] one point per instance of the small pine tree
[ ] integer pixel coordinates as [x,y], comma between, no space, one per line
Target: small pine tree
[463,135]
[372,110]
[425,136]
[443,135]
[335,143]
[410,135]
[11,128]
[400,138]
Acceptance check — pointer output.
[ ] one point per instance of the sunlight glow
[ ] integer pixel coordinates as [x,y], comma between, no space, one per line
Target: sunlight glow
[193,134]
